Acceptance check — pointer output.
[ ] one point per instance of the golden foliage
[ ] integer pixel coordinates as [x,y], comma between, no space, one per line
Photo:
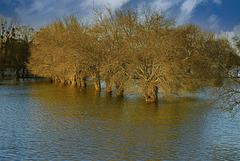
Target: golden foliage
[125,47]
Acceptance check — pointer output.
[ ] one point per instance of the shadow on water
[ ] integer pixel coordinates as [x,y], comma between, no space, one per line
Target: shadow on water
[67,123]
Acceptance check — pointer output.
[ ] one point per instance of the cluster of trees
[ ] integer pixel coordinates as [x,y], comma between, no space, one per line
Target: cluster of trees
[127,49]
[14,46]
[228,95]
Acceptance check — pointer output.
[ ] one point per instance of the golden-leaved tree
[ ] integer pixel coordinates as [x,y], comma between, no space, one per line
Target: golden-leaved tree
[53,53]
[128,49]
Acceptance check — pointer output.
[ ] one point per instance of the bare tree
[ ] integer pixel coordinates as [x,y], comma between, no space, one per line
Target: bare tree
[227,96]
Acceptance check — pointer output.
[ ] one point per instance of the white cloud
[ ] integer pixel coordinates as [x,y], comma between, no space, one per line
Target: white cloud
[214,22]
[236,30]
[114,4]
[187,9]
[227,34]
[230,34]
[164,5]
[39,12]
[218,2]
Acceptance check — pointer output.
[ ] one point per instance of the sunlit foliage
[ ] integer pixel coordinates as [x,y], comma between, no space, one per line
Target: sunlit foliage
[129,49]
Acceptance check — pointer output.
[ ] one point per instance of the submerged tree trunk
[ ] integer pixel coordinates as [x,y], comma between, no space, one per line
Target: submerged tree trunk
[120,89]
[83,83]
[23,72]
[72,81]
[81,80]
[97,82]
[62,80]
[150,93]
[2,74]
[109,86]
[54,80]
[17,73]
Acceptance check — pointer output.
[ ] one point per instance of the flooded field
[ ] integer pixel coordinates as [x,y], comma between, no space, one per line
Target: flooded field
[40,120]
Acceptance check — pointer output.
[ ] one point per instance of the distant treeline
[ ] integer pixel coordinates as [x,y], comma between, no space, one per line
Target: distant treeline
[14,47]
[131,51]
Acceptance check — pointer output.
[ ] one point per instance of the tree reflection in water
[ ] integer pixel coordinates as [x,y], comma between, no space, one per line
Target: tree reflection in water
[89,125]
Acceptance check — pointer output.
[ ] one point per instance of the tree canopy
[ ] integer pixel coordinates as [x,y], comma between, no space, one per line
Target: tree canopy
[130,50]
[14,45]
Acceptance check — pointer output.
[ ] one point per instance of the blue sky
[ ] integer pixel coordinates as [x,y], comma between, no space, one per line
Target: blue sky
[216,15]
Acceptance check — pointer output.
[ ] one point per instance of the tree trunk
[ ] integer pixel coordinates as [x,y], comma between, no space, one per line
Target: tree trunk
[97,82]
[150,93]
[23,72]
[17,73]
[72,81]
[109,86]
[81,82]
[62,81]
[54,80]
[120,89]
[2,73]
[78,81]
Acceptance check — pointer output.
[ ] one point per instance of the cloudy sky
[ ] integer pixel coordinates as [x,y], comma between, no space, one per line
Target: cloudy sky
[216,15]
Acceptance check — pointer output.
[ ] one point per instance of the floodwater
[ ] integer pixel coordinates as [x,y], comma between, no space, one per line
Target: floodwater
[44,121]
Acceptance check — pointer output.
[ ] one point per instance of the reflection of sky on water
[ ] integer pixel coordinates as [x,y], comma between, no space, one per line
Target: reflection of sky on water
[41,120]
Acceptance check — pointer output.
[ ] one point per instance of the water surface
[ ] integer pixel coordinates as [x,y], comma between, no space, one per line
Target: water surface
[40,120]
